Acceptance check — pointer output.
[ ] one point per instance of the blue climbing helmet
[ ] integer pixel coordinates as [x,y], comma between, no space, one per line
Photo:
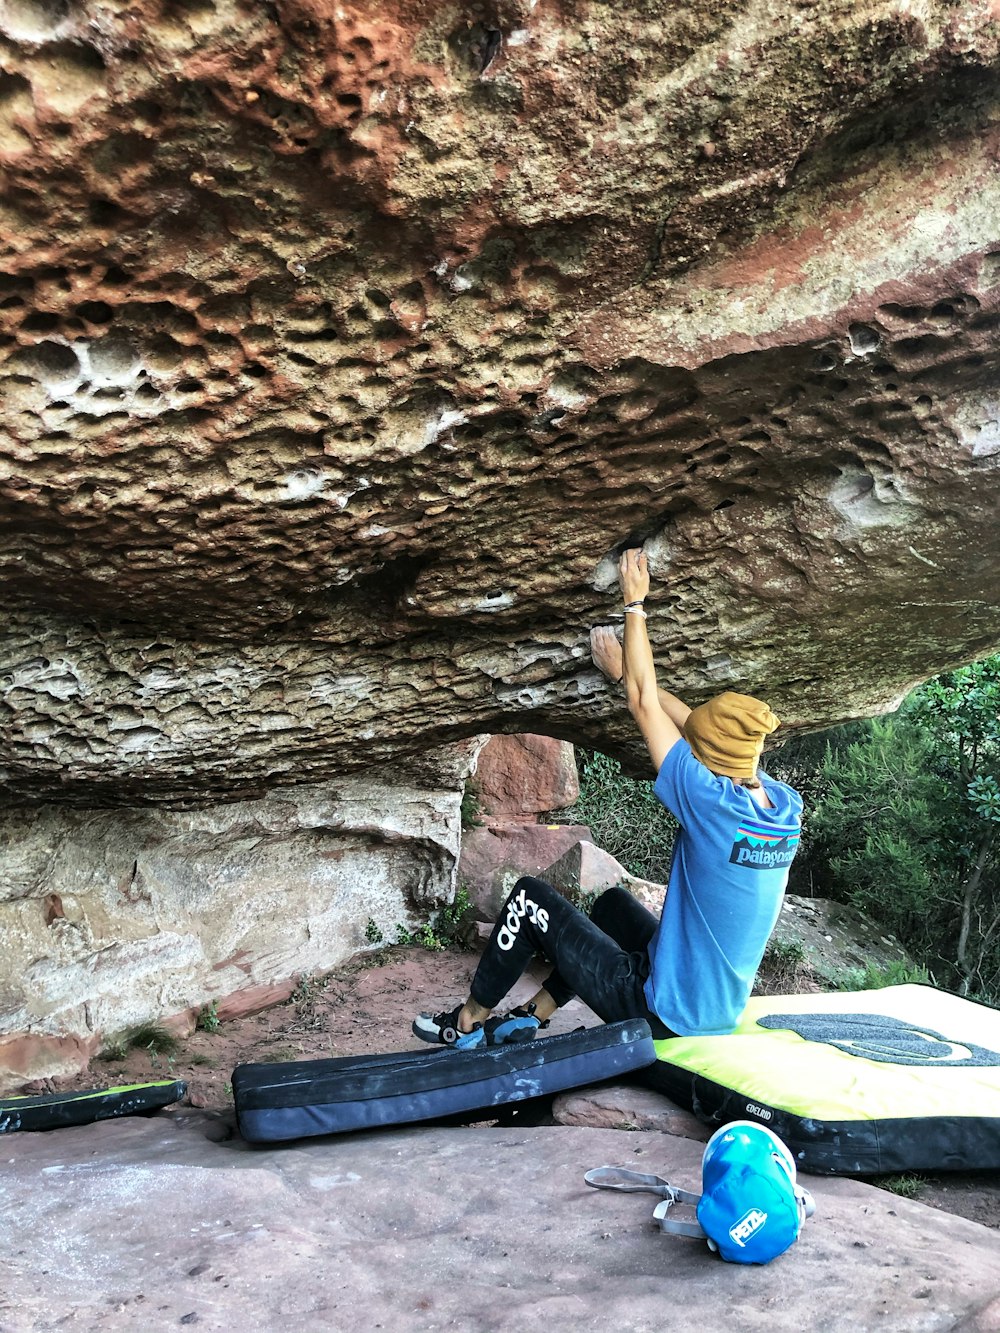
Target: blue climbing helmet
[750,1209]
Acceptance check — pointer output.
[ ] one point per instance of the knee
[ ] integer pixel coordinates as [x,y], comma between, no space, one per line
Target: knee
[608,906]
[527,884]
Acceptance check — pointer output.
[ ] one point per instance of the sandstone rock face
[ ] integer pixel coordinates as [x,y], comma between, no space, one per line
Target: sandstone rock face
[343,346]
[586,868]
[112,919]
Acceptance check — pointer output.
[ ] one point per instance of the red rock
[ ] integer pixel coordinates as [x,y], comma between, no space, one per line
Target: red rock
[523,776]
[27,1057]
[587,868]
[620,1106]
[254,999]
[492,859]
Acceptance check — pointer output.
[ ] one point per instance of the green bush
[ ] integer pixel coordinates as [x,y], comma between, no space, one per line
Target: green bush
[373,933]
[874,977]
[451,920]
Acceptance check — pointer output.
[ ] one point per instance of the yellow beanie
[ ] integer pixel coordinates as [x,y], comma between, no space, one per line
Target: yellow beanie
[727,733]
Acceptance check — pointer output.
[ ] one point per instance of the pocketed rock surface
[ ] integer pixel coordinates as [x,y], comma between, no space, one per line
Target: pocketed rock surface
[343,347]
[171,1222]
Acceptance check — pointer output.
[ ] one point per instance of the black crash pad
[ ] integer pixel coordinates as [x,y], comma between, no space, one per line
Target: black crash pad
[290,1101]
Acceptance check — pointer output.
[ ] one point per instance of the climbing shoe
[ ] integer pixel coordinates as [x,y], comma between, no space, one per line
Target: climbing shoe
[517,1026]
[442,1029]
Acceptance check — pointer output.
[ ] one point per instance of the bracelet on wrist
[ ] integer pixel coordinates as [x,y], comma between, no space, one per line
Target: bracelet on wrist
[638,602]
[636,611]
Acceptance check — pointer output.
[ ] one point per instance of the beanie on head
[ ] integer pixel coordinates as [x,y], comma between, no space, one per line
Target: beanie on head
[727,733]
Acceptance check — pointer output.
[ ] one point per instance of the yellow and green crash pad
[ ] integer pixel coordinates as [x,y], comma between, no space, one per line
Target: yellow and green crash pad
[906,1078]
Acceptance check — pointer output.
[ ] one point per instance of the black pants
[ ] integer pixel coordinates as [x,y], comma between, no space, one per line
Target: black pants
[602,958]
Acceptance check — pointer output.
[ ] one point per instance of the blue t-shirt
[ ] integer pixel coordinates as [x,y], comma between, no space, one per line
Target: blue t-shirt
[727,880]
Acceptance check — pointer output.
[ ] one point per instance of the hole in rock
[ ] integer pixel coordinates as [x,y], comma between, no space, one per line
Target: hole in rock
[41,322]
[863,340]
[51,362]
[105,213]
[113,359]
[95,312]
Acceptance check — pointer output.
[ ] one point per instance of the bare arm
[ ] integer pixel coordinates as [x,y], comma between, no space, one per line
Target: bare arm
[674,708]
[658,714]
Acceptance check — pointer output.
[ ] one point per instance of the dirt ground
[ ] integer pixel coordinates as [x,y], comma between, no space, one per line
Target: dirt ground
[367,1005]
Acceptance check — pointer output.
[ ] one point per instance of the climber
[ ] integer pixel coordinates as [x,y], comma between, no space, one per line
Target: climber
[691,972]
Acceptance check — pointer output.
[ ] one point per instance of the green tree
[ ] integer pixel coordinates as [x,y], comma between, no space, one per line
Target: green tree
[961,710]
[906,825]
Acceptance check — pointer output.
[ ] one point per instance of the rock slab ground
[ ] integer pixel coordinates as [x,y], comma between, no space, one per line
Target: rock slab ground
[174,1221]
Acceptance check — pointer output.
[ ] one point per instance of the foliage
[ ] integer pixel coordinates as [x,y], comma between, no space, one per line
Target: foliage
[149,1037]
[424,935]
[906,825]
[372,933]
[785,953]
[800,761]
[907,1186]
[427,937]
[874,977]
[208,1018]
[782,968]
[444,930]
[309,988]
[624,816]
[584,899]
[452,919]
[470,809]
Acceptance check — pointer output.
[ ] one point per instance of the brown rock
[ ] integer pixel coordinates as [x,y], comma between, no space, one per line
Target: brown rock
[344,347]
[30,1056]
[623,1106]
[493,859]
[524,776]
[587,868]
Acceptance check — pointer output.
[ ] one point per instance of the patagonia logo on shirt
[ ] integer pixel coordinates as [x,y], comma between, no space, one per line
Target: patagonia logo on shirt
[764,846]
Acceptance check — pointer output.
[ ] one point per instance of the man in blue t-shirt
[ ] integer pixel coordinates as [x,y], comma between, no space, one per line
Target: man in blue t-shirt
[692,971]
